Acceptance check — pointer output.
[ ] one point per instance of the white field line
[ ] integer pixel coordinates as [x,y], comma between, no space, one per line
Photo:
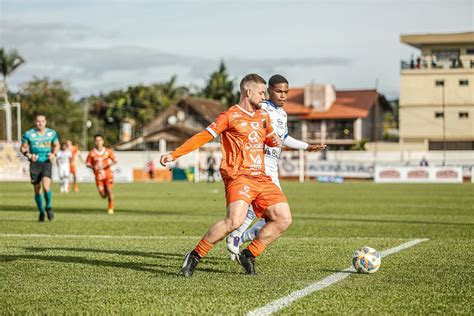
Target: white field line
[281,303]
[7,235]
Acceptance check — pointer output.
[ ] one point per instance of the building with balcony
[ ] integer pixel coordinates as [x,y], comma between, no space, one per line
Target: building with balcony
[317,113]
[437,94]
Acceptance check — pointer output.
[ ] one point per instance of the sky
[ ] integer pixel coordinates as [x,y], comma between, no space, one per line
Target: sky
[100,45]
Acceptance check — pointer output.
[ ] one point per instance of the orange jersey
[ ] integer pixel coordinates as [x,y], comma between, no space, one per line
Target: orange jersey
[243,136]
[74,151]
[100,161]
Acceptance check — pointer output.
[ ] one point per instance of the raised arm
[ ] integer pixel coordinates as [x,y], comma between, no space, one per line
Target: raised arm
[190,145]
[212,131]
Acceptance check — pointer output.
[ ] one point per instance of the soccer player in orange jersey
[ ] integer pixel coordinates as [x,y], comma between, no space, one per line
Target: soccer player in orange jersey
[101,159]
[72,163]
[244,130]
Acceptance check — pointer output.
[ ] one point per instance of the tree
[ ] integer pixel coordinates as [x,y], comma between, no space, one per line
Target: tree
[53,99]
[219,87]
[137,104]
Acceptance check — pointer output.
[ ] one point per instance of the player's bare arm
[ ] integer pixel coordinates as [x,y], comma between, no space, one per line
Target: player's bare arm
[54,150]
[25,150]
[316,147]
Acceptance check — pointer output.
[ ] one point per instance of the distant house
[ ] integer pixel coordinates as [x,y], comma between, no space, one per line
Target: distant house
[176,124]
[340,119]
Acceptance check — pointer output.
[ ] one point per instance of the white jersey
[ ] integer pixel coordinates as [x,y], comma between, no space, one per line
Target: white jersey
[63,159]
[279,121]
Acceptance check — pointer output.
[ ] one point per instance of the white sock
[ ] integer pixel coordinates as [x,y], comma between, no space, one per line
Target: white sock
[253,231]
[248,220]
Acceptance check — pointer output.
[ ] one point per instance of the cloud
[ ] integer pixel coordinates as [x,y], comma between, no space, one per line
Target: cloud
[65,51]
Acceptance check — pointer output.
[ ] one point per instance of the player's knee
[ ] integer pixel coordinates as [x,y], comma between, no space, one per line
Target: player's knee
[232,223]
[284,217]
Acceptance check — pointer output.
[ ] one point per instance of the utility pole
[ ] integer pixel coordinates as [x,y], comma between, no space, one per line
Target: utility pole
[85,120]
[8,110]
[443,105]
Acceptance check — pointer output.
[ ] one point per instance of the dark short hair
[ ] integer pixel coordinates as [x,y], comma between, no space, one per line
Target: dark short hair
[99,135]
[276,79]
[251,78]
[40,114]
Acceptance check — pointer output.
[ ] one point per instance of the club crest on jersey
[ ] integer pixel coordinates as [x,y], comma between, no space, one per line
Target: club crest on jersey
[33,134]
[49,134]
[253,137]
[243,124]
[245,191]
[255,125]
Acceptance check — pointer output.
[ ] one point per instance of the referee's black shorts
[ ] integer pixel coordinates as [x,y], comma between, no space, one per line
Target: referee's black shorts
[38,170]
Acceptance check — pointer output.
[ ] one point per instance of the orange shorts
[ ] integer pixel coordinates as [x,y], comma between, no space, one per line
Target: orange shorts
[259,191]
[105,182]
[72,169]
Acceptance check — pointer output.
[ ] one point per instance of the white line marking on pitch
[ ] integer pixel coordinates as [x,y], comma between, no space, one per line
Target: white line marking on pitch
[279,304]
[167,237]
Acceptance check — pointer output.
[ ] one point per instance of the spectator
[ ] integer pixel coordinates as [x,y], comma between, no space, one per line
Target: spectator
[211,170]
[424,162]
[151,169]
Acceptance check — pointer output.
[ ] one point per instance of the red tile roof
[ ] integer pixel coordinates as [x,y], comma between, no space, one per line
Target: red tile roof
[349,104]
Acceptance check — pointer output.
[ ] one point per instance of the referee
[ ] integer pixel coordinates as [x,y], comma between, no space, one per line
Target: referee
[40,145]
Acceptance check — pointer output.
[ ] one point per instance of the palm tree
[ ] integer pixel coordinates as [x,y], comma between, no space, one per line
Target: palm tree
[9,61]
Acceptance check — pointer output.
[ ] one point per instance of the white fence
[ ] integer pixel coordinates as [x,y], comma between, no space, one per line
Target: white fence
[418,175]
[294,164]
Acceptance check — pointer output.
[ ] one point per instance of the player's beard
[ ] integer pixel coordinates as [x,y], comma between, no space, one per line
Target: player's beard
[256,106]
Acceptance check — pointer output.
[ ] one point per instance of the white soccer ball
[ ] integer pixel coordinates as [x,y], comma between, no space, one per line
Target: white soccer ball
[366,260]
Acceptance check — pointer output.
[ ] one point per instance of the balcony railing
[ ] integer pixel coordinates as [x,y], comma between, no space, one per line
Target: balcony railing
[428,63]
[330,135]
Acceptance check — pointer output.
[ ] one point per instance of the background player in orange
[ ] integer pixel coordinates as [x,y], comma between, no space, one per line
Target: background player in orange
[74,154]
[101,159]
[244,130]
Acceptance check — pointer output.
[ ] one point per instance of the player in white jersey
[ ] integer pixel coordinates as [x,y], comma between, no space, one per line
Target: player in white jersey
[63,158]
[278,93]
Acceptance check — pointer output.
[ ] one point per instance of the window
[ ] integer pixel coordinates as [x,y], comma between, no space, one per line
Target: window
[446,54]
[470,51]
[463,82]
[439,83]
[439,114]
[463,114]
[451,145]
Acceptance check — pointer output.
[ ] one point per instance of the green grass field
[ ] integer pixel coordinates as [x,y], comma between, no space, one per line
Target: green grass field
[65,266]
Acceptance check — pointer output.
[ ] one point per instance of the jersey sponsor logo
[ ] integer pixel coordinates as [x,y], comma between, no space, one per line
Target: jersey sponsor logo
[253,137]
[243,124]
[255,125]
[249,146]
[257,160]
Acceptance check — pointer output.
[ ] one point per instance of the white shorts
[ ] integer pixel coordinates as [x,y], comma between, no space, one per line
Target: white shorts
[64,172]
[271,169]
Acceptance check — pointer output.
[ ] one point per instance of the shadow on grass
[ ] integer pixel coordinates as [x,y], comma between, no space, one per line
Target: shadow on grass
[154,255]
[141,267]
[296,217]
[103,210]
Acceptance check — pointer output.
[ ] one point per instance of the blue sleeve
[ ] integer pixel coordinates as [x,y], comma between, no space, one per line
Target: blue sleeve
[55,138]
[25,139]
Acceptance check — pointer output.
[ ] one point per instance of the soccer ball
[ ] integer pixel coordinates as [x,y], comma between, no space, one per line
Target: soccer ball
[366,260]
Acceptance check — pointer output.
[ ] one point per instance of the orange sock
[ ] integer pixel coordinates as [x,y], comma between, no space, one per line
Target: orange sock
[256,247]
[203,248]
